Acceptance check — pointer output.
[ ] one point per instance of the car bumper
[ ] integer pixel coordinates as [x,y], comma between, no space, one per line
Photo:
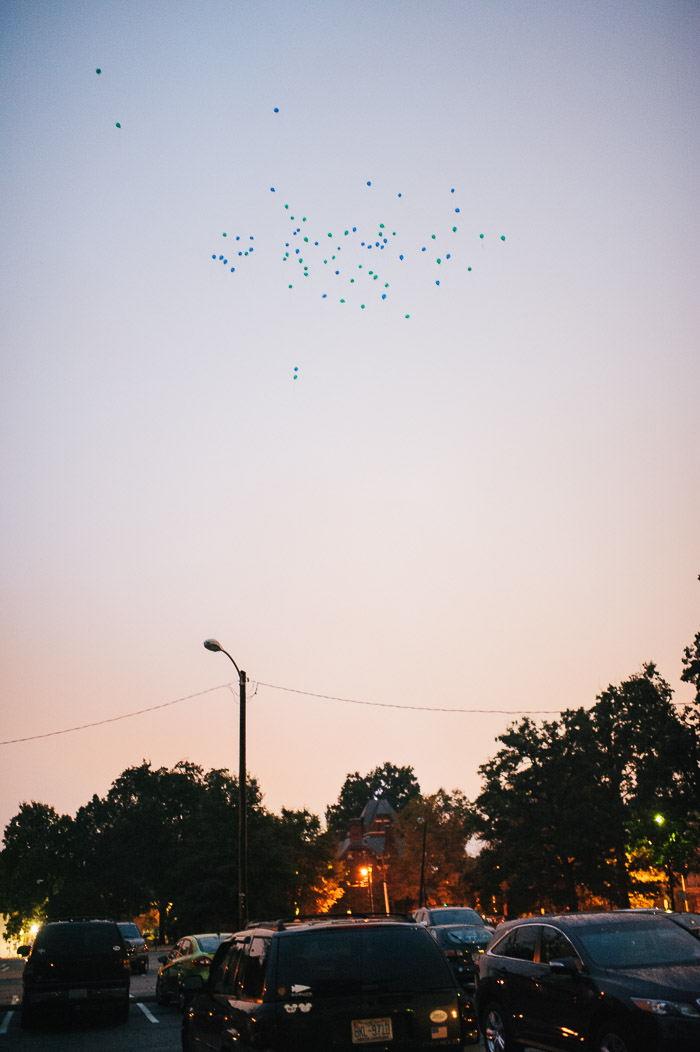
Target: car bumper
[74,995]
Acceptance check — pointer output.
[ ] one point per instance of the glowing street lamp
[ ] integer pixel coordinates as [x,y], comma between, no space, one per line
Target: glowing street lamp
[366,871]
[215,646]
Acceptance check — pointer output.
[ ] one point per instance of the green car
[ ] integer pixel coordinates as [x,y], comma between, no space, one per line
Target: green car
[191,955]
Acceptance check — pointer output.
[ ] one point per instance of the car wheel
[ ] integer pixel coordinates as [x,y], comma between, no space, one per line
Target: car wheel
[161,996]
[496,1034]
[612,1039]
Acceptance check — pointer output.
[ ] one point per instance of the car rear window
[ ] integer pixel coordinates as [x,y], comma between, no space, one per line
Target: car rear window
[210,943]
[459,915]
[130,931]
[331,962]
[639,944]
[470,936]
[77,938]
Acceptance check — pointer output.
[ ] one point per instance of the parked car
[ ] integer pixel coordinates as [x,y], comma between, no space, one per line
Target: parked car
[313,986]
[135,946]
[76,964]
[462,944]
[191,955]
[604,982]
[430,915]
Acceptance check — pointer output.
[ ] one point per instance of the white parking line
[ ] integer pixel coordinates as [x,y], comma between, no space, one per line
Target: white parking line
[5,1022]
[145,1011]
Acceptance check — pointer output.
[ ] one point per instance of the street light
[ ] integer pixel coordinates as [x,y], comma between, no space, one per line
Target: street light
[214,645]
[366,871]
[421,893]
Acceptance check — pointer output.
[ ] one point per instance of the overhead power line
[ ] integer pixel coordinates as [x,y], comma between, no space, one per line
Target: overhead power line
[415,708]
[305,693]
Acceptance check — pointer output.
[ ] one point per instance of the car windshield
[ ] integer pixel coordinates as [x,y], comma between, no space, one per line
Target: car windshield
[210,943]
[458,915]
[640,944]
[76,938]
[129,931]
[374,960]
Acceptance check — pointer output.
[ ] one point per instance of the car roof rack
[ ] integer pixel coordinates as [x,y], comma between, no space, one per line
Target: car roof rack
[283,923]
[68,920]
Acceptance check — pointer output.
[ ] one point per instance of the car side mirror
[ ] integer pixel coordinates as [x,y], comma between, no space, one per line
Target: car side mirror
[564,966]
[162,960]
[24,951]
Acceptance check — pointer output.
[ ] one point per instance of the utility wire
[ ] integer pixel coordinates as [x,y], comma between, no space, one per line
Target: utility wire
[294,690]
[415,708]
[114,719]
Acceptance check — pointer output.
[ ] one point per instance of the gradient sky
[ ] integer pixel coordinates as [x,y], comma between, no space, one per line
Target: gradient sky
[492,504]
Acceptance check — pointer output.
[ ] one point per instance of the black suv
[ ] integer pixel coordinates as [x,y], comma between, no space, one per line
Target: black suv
[135,946]
[312,986]
[76,964]
[603,982]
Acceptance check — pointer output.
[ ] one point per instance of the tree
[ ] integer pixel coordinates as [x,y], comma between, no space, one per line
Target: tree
[398,785]
[440,824]
[537,816]
[165,839]
[32,865]
[565,805]
[640,739]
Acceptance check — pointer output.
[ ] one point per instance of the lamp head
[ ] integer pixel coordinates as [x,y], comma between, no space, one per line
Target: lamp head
[212,644]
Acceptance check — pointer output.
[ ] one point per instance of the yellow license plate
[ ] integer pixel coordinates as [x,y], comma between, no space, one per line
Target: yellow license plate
[365,1031]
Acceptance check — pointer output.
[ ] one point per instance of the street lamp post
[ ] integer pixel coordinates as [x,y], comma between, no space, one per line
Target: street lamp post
[214,645]
[421,891]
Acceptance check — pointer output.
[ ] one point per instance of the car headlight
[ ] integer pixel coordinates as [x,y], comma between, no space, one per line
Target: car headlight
[649,1004]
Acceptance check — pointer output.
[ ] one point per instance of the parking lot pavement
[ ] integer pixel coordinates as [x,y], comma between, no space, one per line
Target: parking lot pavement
[11,969]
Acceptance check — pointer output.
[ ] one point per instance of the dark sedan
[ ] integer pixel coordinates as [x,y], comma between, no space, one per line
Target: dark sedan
[463,945]
[604,982]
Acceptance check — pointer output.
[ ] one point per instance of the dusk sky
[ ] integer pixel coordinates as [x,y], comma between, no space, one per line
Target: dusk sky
[381,457]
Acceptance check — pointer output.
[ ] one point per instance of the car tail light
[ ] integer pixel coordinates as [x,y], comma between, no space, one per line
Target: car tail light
[451,954]
[201,962]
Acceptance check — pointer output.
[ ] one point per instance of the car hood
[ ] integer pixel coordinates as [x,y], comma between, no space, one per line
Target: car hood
[665,981]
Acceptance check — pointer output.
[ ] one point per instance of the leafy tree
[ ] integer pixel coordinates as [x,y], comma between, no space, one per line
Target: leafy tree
[565,804]
[169,839]
[641,741]
[433,834]
[537,815]
[32,865]
[398,785]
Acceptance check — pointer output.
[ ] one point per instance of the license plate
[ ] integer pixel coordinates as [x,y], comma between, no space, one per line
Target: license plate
[366,1030]
[77,995]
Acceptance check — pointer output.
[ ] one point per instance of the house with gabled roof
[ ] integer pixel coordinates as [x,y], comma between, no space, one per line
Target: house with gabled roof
[367,851]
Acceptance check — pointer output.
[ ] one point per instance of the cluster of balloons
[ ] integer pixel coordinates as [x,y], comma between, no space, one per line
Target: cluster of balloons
[363,266]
